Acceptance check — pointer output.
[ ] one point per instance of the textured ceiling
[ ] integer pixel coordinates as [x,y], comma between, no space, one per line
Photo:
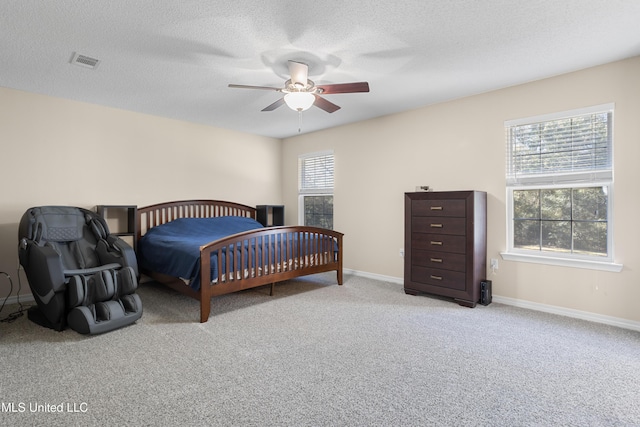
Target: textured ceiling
[176,58]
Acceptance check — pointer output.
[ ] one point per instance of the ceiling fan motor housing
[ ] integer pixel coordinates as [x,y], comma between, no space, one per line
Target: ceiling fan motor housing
[290,87]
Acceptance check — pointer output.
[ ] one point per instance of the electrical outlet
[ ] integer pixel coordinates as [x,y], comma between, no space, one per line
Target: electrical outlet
[494,264]
[401,253]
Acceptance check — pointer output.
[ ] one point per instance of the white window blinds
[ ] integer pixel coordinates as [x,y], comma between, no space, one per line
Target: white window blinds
[315,173]
[571,148]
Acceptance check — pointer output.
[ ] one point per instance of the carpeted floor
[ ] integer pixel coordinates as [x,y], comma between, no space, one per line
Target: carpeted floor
[318,354]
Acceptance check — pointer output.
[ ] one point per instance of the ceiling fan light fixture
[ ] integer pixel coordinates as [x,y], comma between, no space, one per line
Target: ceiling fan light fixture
[299,101]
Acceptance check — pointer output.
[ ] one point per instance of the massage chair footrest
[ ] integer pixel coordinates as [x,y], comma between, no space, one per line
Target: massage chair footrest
[105,316]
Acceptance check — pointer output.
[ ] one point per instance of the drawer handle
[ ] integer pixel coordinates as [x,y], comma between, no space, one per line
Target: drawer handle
[436,208]
[436,243]
[436,225]
[436,277]
[436,259]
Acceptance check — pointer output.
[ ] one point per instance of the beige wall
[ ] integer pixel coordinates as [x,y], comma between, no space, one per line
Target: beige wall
[62,152]
[460,145]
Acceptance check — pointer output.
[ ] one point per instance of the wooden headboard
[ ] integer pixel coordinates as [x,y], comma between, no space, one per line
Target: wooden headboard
[161,213]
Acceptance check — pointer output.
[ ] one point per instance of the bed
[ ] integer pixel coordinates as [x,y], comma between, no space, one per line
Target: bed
[207,248]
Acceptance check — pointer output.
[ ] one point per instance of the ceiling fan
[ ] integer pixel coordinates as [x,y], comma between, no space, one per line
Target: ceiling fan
[301,93]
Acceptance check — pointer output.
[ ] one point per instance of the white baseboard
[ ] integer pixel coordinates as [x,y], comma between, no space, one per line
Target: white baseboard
[398,280]
[578,314]
[24,299]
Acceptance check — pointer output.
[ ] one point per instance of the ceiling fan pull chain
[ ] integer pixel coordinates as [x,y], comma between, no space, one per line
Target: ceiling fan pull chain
[299,120]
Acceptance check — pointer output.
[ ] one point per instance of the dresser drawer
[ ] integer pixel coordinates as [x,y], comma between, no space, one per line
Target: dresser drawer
[439,225]
[439,242]
[440,260]
[437,277]
[449,207]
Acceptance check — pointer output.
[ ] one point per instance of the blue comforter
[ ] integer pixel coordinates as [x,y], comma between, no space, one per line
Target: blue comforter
[174,248]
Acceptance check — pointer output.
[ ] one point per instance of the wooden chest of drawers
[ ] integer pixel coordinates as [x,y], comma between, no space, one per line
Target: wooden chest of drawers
[446,244]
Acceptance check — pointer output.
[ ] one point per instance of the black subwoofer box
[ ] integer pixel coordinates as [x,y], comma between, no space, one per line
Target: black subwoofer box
[485,292]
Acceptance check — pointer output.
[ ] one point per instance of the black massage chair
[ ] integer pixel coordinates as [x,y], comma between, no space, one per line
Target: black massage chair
[79,274]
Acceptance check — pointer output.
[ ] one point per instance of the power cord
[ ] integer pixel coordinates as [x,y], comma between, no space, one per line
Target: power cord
[16,314]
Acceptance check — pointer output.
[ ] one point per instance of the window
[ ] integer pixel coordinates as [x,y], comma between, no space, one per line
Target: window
[559,188]
[315,187]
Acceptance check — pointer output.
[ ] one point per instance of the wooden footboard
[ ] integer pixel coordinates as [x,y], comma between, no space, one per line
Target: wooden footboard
[269,255]
[249,259]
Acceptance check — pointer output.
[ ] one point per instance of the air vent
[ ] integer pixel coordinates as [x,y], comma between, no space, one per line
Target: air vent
[84,61]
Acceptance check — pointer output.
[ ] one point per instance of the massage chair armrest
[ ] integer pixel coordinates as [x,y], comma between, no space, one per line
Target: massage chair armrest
[128,255]
[116,250]
[43,267]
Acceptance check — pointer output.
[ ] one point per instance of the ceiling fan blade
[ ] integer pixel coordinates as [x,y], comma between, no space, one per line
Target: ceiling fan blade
[277,89]
[299,73]
[325,105]
[275,105]
[344,88]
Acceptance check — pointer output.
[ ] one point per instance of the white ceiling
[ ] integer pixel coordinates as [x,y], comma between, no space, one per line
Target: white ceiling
[176,58]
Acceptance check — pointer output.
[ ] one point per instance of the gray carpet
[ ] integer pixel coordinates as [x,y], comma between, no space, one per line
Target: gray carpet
[316,354]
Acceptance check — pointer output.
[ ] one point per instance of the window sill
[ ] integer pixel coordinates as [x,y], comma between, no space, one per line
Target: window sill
[562,262]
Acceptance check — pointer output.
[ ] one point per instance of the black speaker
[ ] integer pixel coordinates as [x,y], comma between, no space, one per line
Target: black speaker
[485,292]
